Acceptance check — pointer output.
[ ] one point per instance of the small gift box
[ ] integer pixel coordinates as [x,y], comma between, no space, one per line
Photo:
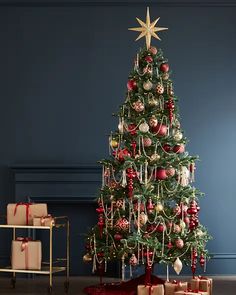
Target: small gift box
[23,213]
[150,290]
[171,287]
[26,254]
[43,221]
[203,284]
[190,292]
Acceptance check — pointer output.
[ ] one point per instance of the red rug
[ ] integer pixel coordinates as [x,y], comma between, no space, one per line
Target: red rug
[125,288]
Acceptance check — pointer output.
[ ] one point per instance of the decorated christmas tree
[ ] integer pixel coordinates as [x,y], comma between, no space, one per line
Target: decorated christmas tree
[147,206]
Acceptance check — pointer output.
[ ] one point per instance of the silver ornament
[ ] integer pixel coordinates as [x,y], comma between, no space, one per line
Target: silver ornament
[147,85]
[143,127]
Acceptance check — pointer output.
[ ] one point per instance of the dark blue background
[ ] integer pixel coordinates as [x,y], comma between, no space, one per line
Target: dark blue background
[63,71]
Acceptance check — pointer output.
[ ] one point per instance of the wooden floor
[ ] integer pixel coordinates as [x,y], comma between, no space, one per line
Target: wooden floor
[38,286]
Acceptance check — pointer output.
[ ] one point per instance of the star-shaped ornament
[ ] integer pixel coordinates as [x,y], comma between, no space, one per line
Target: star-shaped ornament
[148,29]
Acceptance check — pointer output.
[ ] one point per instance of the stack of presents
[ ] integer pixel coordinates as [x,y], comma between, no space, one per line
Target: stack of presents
[197,285]
[27,254]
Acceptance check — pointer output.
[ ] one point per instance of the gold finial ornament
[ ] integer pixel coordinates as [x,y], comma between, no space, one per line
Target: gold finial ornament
[148,29]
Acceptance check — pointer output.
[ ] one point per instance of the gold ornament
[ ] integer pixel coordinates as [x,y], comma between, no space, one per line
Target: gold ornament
[178,266]
[178,135]
[165,76]
[148,29]
[147,85]
[114,143]
[155,157]
[143,127]
[153,121]
[159,207]
[87,258]
[152,102]
[142,219]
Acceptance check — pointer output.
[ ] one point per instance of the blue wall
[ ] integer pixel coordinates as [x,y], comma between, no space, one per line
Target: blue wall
[63,71]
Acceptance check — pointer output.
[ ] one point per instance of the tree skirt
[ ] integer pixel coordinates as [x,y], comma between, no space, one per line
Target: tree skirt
[125,288]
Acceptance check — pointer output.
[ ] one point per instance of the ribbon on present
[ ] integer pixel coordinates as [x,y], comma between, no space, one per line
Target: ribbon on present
[150,290]
[44,218]
[27,207]
[25,248]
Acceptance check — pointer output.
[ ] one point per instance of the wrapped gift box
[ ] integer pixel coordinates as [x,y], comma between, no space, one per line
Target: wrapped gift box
[23,213]
[150,290]
[43,221]
[203,284]
[26,254]
[190,293]
[171,287]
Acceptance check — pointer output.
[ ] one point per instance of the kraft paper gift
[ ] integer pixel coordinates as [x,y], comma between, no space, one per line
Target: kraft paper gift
[172,287]
[43,221]
[202,284]
[190,293]
[26,254]
[23,213]
[150,290]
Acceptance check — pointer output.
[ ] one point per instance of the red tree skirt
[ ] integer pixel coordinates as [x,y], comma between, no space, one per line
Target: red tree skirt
[125,288]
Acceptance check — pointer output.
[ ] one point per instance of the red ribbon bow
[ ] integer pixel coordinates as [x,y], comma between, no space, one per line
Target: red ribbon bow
[150,288]
[24,248]
[27,205]
[43,218]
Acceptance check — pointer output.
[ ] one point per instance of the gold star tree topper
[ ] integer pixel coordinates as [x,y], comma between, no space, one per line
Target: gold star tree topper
[148,29]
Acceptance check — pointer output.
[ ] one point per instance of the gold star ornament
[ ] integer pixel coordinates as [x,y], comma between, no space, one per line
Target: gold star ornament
[148,29]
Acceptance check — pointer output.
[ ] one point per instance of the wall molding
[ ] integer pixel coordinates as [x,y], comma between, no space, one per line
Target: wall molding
[77,3]
[223,255]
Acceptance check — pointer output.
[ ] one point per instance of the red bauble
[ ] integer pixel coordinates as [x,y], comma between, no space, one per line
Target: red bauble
[202,260]
[166,148]
[150,206]
[142,207]
[153,50]
[118,237]
[122,154]
[122,224]
[132,129]
[179,148]
[192,210]
[160,129]
[149,59]
[160,228]
[131,85]
[161,174]
[164,67]
[179,243]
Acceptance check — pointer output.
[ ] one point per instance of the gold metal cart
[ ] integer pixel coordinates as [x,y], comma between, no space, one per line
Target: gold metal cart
[50,269]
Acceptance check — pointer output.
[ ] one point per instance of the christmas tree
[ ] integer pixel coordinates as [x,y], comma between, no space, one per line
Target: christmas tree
[147,206]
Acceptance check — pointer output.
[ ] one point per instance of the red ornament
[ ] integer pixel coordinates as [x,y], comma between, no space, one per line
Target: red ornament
[192,167]
[147,141]
[160,228]
[150,206]
[202,260]
[160,129]
[186,220]
[153,50]
[166,148]
[132,129]
[122,224]
[122,154]
[179,148]
[164,67]
[130,175]
[161,174]
[169,245]
[170,106]
[118,237]
[142,207]
[131,85]
[149,59]
[101,224]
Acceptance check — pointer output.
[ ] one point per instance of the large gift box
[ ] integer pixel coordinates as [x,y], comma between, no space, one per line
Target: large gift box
[190,292]
[150,290]
[23,213]
[43,221]
[202,284]
[171,287]
[26,254]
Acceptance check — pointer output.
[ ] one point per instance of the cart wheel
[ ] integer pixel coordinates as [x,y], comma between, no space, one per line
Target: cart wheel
[13,283]
[50,290]
[66,286]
